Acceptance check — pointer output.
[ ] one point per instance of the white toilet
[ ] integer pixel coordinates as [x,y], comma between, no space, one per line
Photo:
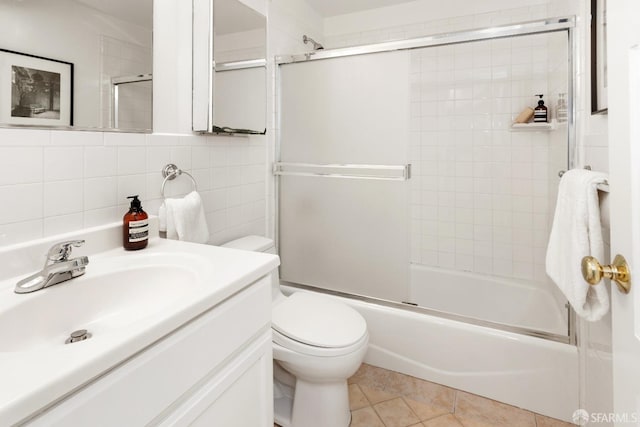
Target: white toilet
[317,344]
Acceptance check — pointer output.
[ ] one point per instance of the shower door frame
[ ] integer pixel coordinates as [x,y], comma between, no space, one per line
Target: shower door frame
[115,92]
[549,25]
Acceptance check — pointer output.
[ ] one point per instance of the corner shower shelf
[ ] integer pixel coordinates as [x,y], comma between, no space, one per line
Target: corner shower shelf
[535,127]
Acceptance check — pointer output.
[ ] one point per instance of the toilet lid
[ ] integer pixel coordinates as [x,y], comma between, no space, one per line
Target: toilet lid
[318,321]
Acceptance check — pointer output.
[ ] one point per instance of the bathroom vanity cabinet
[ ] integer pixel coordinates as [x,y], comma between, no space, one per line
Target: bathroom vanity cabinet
[215,370]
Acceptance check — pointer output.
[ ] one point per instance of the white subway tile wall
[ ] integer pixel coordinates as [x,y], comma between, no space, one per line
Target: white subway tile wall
[480,192]
[482,196]
[592,144]
[219,181]
[591,130]
[53,183]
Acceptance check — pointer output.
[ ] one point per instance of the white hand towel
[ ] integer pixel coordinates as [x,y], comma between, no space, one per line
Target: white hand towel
[162,218]
[576,233]
[185,219]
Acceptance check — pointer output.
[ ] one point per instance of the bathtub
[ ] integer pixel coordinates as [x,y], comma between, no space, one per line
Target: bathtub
[536,374]
[508,301]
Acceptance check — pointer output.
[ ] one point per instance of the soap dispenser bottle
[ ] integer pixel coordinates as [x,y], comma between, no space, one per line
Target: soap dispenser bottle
[135,226]
[540,114]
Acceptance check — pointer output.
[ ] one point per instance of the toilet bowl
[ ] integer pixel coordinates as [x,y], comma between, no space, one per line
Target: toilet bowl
[317,344]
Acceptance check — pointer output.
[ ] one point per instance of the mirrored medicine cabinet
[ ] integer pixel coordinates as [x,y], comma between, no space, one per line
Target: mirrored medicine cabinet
[229,68]
[85,64]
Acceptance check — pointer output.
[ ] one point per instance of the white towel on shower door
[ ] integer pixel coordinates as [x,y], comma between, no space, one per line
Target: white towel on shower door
[184,219]
[576,233]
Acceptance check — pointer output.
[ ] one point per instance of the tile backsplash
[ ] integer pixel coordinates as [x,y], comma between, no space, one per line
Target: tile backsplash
[59,181]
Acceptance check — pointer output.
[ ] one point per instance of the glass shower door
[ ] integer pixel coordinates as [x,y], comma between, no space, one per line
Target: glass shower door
[466,236]
[343,165]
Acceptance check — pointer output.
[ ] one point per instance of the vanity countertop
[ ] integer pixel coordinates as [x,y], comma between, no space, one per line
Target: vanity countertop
[37,369]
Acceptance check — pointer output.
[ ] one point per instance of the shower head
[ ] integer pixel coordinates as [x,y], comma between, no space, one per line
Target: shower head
[316,45]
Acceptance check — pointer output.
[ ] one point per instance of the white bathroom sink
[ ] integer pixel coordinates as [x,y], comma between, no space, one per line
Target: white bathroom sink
[125,300]
[114,293]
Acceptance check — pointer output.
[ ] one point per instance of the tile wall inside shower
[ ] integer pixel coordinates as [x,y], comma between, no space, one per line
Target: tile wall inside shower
[482,195]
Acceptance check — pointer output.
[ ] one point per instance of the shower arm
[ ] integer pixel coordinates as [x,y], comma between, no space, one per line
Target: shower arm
[316,45]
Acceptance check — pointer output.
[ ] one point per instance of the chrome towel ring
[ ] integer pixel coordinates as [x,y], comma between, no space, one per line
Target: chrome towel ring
[170,172]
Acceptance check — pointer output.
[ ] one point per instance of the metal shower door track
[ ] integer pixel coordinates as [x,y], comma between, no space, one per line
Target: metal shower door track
[521,29]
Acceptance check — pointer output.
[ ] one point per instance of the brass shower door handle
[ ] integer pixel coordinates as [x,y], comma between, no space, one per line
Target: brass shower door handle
[618,271]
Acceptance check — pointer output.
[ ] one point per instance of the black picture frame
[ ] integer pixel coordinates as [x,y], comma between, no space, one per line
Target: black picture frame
[35,90]
[599,72]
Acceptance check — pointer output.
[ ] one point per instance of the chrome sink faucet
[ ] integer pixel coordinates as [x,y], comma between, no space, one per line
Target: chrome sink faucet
[57,268]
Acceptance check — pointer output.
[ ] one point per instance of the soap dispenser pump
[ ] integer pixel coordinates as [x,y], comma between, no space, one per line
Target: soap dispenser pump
[540,114]
[135,226]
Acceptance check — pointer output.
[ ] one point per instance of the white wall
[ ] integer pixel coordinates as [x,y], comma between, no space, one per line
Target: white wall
[43,28]
[288,20]
[423,17]
[172,67]
[135,105]
[481,197]
[591,129]
[593,150]
[240,46]
[58,181]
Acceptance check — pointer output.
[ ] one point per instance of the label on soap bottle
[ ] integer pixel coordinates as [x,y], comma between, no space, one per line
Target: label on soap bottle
[138,230]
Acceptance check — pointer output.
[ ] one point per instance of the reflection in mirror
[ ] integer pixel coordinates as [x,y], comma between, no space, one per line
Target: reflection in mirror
[69,61]
[131,100]
[230,96]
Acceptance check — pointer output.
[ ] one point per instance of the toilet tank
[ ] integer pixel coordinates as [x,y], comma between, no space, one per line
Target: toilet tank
[252,243]
[259,244]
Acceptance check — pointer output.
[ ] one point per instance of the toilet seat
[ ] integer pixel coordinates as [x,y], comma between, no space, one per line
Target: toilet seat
[315,324]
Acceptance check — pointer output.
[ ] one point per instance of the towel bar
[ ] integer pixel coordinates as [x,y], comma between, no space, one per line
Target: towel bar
[601,187]
[170,172]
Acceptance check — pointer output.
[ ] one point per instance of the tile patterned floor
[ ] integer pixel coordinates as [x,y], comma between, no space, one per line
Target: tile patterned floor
[382,398]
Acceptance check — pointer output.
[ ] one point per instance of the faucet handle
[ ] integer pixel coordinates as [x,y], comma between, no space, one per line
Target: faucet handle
[61,251]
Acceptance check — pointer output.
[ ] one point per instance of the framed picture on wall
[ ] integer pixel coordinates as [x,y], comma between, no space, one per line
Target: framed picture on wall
[35,90]
[599,72]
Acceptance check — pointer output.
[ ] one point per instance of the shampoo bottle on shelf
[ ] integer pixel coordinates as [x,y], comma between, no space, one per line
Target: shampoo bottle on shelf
[561,109]
[135,226]
[540,114]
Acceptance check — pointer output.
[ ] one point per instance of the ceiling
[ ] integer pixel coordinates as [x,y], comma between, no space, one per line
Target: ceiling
[137,11]
[141,11]
[232,16]
[328,8]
